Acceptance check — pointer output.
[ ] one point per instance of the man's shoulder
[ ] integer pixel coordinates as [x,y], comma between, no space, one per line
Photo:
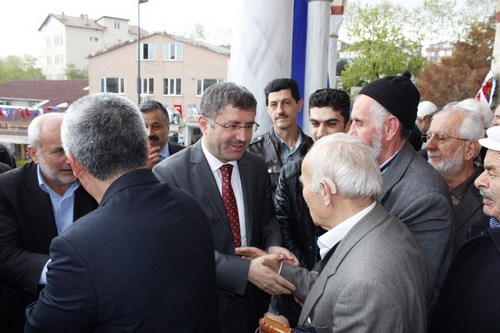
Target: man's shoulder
[19,175]
[259,139]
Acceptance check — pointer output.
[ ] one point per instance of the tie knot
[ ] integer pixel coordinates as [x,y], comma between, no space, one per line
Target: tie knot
[226,170]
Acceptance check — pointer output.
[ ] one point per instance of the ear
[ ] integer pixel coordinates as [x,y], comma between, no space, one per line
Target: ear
[33,153]
[76,166]
[391,127]
[300,102]
[471,149]
[203,123]
[328,189]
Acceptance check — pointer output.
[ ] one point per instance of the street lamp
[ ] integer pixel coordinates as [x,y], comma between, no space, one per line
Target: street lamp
[139,50]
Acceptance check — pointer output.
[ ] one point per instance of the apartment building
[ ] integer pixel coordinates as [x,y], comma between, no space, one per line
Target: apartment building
[174,71]
[70,40]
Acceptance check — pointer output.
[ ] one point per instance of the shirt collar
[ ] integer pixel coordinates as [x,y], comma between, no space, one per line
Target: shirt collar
[46,188]
[165,152]
[337,233]
[213,161]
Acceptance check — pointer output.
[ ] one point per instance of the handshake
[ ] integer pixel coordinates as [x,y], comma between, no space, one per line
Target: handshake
[265,267]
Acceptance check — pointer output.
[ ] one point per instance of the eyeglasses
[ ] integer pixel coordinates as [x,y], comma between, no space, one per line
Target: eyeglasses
[235,127]
[440,137]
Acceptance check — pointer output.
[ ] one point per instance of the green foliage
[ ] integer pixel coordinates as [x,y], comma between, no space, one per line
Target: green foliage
[381,47]
[14,68]
[73,73]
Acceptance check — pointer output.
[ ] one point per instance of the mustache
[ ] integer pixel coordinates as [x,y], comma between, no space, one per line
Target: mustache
[153,138]
[487,195]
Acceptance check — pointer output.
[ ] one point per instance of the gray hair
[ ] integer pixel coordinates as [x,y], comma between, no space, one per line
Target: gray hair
[106,133]
[482,108]
[221,94]
[349,163]
[35,128]
[472,127]
[472,122]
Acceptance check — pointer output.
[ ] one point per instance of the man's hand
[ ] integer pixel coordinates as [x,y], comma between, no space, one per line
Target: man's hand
[263,273]
[250,252]
[274,323]
[154,156]
[289,257]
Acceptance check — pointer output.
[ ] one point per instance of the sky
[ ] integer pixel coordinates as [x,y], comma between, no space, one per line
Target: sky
[21,19]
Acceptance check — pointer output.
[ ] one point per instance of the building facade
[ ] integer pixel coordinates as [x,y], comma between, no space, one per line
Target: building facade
[174,71]
[69,40]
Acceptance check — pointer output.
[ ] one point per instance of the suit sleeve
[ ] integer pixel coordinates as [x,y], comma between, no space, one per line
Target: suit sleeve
[68,301]
[429,220]
[19,267]
[301,278]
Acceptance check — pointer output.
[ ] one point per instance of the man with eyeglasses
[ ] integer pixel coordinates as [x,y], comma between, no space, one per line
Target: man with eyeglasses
[285,142]
[383,115]
[234,189]
[452,146]
[470,297]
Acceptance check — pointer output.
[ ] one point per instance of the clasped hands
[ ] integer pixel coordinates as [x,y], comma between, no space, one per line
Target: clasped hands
[264,268]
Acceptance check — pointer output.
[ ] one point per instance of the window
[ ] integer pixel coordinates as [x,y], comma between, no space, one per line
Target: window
[172,86]
[172,51]
[95,39]
[113,85]
[117,25]
[58,40]
[202,84]
[148,51]
[49,60]
[58,59]
[148,86]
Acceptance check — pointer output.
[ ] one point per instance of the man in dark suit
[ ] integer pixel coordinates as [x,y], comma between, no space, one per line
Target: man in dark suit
[383,115]
[227,121]
[37,202]
[140,262]
[470,297]
[157,121]
[452,146]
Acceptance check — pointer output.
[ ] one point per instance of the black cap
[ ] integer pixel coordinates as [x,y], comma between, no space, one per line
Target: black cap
[398,95]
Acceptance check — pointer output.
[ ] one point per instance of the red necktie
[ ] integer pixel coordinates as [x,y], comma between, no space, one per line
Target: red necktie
[230,203]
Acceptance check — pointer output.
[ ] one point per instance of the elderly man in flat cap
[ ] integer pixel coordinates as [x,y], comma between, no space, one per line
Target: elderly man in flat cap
[470,297]
[383,115]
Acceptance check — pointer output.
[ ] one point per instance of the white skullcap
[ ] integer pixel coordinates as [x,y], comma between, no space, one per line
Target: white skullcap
[493,139]
[426,108]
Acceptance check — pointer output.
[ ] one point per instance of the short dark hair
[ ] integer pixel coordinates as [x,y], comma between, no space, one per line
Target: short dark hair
[282,84]
[152,105]
[337,99]
[220,94]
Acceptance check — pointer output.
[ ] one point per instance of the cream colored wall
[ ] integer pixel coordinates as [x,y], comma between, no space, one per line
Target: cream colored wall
[198,63]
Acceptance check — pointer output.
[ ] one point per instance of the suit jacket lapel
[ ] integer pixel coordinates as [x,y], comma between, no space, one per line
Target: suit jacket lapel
[202,174]
[246,184]
[367,223]
[397,169]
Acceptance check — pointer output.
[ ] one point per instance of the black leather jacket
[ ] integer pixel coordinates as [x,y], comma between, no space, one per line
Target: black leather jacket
[268,146]
[298,232]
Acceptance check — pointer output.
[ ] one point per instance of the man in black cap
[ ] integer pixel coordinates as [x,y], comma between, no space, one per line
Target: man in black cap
[383,115]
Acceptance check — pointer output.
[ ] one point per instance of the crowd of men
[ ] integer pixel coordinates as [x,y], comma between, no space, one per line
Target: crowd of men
[385,219]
